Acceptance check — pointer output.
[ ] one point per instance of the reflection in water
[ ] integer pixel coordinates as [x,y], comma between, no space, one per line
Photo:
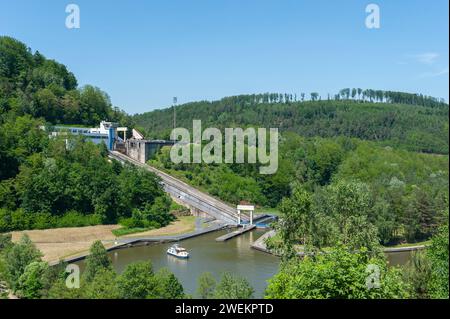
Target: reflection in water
[398,258]
[177,262]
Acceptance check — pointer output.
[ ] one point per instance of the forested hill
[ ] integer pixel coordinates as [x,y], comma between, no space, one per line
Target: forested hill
[31,84]
[418,123]
[44,183]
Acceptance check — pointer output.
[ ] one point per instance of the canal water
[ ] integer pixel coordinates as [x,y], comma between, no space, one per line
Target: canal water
[399,258]
[207,255]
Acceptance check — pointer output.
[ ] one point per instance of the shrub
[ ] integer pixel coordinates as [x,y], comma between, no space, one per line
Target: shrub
[30,283]
[438,255]
[96,261]
[75,219]
[5,241]
[154,215]
[43,221]
[233,287]
[137,281]
[338,274]
[167,286]
[21,220]
[128,222]
[18,257]
[103,285]
[126,231]
[5,220]
[206,285]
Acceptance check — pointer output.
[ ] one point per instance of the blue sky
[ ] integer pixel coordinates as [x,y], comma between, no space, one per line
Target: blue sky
[142,53]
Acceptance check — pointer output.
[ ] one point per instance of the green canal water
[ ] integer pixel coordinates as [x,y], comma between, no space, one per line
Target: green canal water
[234,255]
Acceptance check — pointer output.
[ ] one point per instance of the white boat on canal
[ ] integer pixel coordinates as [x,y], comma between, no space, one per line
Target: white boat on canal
[177,251]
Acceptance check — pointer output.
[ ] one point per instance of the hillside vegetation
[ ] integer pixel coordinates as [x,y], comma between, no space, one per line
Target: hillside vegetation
[408,191]
[414,127]
[353,174]
[348,180]
[380,139]
[43,88]
[45,184]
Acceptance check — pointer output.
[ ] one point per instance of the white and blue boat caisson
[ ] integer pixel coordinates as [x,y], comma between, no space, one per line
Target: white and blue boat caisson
[177,251]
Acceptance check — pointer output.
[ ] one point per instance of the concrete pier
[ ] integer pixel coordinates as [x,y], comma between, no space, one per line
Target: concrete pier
[127,242]
[235,233]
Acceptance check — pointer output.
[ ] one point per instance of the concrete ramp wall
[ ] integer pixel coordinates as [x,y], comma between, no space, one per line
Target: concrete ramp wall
[187,194]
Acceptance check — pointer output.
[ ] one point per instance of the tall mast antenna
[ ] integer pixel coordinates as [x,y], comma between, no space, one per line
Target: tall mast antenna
[175,100]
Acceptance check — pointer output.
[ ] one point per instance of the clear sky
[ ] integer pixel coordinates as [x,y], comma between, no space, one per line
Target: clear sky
[142,53]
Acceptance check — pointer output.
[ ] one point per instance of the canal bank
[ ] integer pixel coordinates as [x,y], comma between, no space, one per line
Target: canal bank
[244,255]
[396,255]
[206,255]
[128,242]
[72,243]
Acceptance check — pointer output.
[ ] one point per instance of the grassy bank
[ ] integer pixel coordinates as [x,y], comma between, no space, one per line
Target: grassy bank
[267,210]
[60,243]
[127,231]
[404,245]
[182,225]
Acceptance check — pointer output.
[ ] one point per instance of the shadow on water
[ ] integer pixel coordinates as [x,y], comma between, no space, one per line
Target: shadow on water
[398,258]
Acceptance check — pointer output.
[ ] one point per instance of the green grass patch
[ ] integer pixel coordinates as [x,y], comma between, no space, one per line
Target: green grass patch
[267,210]
[126,231]
[300,248]
[419,243]
[175,206]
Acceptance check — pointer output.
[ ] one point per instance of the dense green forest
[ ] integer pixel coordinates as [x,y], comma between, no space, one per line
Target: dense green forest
[77,187]
[43,88]
[67,182]
[407,192]
[380,139]
[29,277]
[340,273]
[44,183]
[343,273]
[357,170]
[414,127]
